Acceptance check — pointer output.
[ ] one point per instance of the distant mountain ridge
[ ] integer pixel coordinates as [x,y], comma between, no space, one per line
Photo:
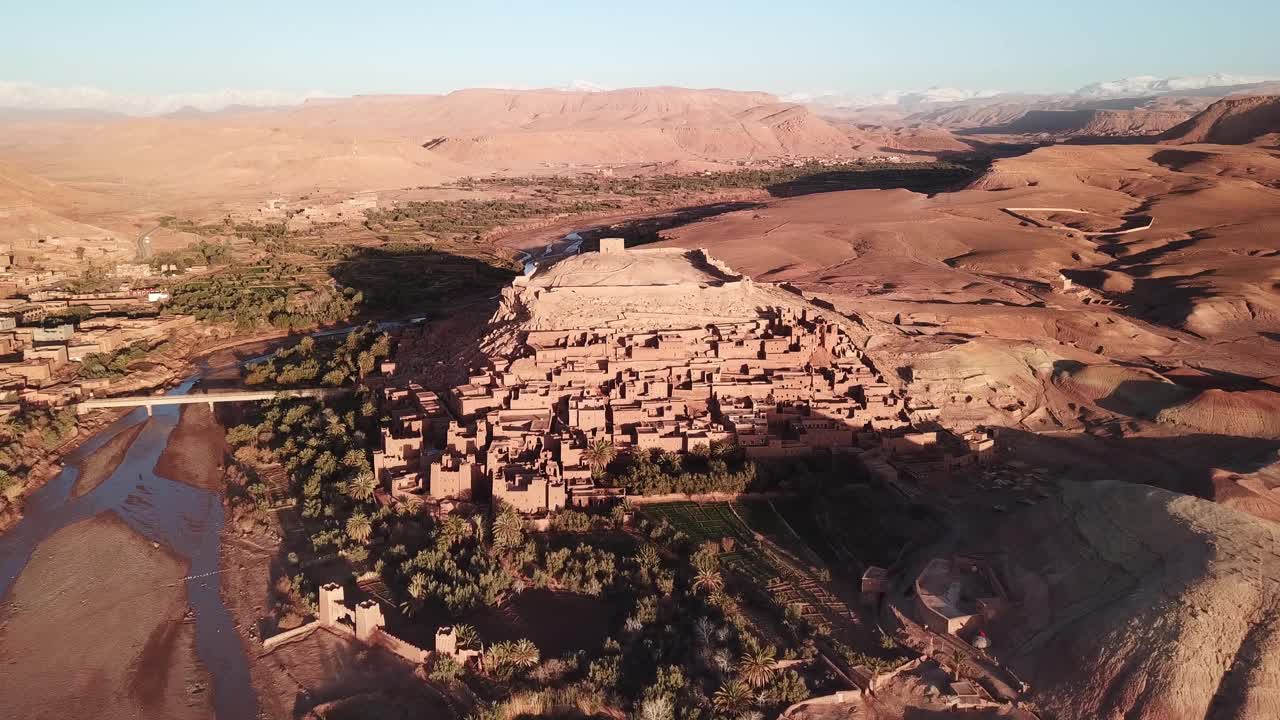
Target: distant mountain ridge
[1143,85]
[957,109]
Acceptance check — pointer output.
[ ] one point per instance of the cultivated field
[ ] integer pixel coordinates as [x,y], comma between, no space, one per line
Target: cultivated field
[764,559]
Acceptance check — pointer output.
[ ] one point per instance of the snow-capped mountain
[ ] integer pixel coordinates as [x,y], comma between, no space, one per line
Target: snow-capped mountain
[584,86]
[31,96]
[838,99]
[1139,86]
[1151,85]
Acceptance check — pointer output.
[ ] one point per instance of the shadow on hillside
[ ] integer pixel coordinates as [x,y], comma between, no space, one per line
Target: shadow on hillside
[1182,463]
[1178,160]
[929,180]
[1144,398]
[1112,140]
[1135,398]
[979,151]
[641,231]
[401,279]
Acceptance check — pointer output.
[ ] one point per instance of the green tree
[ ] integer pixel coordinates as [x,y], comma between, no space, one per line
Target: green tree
[733,698]
[359,528]
[445,669]
[756,666]
[508,530]
[709,581]
[599,454]
[468,638]
[788,688]
[510,657]
[361,487]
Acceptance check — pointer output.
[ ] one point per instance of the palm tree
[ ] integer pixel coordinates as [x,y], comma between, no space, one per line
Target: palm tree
[709,580]
[417,589]
[466,636]
[359,528]
[514,655]
[453,529]
[599,454]
[647,557]
[732,698]
[707,557]
[524,654]
[508,530]
[756,666]
[354,458]
[361,487]
[618,514]
[417,586]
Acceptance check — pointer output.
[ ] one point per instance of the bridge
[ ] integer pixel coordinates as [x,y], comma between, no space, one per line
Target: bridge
[150,401]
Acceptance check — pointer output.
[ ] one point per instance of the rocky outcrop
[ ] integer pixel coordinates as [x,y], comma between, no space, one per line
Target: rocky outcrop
[1144,604]
[1230,121]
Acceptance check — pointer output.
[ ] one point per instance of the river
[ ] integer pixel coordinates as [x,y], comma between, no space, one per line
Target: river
[185,519]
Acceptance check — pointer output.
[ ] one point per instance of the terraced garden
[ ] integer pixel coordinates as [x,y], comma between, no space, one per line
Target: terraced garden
[765,553]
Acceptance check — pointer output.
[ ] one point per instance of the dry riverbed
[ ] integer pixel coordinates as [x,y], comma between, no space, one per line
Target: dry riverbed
[102,462]
[195,452]
[123,601]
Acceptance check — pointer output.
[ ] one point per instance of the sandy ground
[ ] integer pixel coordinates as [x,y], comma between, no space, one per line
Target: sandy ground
[103,583]
[104,461]
[195,451]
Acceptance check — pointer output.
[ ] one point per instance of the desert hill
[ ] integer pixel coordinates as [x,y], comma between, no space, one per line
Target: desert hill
[914,139]
[33,207]
[192,162]
[1003,109]
[991,113]
[998,320]
[628,126]
[484,110]
[1144,604]
[527,129]
[189,160]
[1230,121]
[1094,123]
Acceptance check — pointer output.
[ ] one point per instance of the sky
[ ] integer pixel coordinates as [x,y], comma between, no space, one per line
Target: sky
[288,48]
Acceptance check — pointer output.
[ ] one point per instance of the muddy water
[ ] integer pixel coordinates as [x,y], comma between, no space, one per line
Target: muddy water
[183,518]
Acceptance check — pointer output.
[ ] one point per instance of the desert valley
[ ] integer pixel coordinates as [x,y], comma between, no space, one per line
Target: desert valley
[653,402]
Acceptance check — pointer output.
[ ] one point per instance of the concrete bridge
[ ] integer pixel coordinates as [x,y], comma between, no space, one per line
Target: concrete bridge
[150,401]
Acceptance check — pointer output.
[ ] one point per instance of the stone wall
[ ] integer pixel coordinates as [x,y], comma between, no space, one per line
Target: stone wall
[279,639]
[404,649]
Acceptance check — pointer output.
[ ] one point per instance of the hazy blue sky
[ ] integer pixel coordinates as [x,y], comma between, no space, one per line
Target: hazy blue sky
[145,47]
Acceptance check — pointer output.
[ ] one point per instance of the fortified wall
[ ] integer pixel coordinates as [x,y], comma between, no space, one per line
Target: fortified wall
[365,622]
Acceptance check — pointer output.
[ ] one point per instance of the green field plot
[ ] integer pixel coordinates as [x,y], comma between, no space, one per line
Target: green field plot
[703,522]
[761,516]
[766,553]
[700,521]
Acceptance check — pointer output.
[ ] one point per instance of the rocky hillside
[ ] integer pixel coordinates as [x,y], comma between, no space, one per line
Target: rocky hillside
[626,126]
[1144,604]
[1230,121]
[1096,123]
